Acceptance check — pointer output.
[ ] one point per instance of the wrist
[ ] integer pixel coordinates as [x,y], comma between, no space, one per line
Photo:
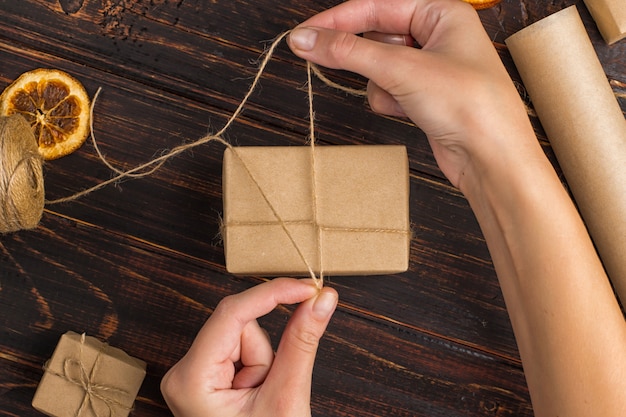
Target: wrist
[502,169]
[517,197]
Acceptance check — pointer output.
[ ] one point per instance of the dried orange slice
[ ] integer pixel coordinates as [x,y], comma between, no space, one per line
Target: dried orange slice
[55,104]
[482,4]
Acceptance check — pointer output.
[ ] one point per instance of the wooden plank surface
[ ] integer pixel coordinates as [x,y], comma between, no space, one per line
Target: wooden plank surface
[140,263]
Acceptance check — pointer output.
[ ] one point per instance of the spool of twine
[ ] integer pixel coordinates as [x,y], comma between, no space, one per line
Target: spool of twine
[21,176]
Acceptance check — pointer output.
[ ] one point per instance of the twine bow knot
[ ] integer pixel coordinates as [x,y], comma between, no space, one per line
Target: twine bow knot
[74,372]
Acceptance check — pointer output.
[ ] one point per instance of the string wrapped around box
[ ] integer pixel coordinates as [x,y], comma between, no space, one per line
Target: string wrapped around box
[313,268]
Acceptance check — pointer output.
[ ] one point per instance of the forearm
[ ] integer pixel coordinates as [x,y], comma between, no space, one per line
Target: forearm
[569,328]
[570,331]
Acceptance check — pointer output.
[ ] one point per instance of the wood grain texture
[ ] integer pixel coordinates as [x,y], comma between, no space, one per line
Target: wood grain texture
[140,263]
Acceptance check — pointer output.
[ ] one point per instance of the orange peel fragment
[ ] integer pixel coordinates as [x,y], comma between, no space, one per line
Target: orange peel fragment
[482,4]
[55,104]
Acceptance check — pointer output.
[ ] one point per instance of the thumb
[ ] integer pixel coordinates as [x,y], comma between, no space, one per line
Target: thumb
[346,51]
[290,375]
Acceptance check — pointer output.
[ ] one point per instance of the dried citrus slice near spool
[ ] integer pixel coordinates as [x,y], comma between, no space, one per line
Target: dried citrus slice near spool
[55,104]
[482,4]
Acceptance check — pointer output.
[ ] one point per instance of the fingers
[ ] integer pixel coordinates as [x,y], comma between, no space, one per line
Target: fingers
[230,335]
[359,16]
[421,83]
[419,18]
[445,26]
[293,365]
[222,332]
[343,50]
[256,357]
[382,102]
[205,379]
[393,39]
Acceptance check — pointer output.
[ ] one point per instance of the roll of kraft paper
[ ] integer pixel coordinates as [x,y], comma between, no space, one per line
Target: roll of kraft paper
[610,16]
[584,124]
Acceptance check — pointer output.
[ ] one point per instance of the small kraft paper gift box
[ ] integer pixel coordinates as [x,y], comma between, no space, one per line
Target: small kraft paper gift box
[88,378]
[340,210]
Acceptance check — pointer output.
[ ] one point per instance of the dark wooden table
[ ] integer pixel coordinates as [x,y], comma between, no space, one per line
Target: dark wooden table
[140,263]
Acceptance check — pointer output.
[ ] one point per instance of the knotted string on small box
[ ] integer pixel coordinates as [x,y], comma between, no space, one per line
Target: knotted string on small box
[93,392]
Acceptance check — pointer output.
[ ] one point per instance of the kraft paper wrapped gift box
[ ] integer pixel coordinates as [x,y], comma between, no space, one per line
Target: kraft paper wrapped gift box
[88,378]
[346,209]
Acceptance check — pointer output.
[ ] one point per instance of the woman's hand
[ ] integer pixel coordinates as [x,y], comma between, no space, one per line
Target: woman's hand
[454,87]
[231,370]
[568,325]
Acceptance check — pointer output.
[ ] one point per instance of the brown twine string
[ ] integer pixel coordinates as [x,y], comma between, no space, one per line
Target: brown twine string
[353,91]
[318,229]
[85,380]
[15,217]
[153,165]
[321,227]
[21,176]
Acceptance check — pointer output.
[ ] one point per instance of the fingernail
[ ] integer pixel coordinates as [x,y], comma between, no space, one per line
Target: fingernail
[395,40]
[303,38]
[398,109]
[324,304]
[404,40]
